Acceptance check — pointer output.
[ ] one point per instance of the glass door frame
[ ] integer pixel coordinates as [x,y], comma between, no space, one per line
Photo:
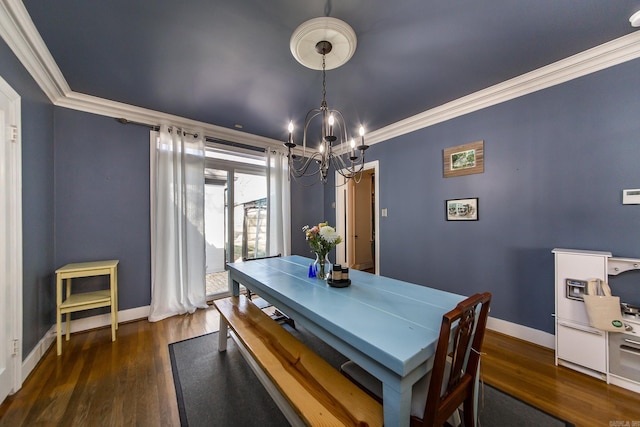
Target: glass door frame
[232,168]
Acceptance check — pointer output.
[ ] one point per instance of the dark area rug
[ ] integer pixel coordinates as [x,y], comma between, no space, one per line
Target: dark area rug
[497,408]
[220,389]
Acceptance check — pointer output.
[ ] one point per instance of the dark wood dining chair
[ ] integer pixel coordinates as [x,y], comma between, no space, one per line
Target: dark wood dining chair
[452,381]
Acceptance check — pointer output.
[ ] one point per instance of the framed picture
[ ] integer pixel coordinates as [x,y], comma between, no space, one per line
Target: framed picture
[464,159]
[462,209]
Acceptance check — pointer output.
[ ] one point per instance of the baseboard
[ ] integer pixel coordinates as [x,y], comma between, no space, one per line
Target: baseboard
[93,322]
[78,325]
[525,333]
[30,362]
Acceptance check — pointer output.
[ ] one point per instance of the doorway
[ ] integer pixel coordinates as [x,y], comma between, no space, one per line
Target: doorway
[235,214]
[10,242]
[357,220]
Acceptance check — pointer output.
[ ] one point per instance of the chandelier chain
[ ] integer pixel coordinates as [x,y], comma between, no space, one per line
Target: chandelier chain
[324,83]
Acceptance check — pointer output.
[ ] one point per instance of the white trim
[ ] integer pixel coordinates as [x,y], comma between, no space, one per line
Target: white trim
[20,33]
[105,107]
[30,362]
[18,30]
[14,270]
[102,320]
[525,333]
[615,52]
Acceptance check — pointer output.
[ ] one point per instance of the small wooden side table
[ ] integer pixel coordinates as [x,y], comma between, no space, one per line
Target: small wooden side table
[85,300]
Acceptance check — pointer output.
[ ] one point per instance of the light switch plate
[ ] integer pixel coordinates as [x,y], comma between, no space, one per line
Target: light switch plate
[384,211]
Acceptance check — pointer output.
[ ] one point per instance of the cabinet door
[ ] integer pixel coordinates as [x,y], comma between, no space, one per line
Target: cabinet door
[582,345]
[579,267]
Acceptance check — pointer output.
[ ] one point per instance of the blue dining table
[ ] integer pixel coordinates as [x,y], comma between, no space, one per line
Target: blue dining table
[387,326]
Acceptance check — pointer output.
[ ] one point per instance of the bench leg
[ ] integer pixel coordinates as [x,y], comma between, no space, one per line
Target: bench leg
[222,335]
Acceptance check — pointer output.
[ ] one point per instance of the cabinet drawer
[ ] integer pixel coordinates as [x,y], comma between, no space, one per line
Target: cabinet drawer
[582,345]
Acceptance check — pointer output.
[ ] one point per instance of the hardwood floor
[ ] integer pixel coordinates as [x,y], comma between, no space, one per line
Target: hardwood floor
[528,372]
[99,383]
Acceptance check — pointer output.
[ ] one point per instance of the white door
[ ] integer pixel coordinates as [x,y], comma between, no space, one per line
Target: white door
[10,242]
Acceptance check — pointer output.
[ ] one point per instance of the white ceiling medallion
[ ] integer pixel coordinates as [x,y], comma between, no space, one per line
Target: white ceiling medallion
[635,19]
[340,34]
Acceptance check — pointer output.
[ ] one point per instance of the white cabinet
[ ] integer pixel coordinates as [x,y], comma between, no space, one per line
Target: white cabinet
[578,345]
[614,356]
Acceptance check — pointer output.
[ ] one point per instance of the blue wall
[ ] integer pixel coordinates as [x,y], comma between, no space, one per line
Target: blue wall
[555,164]
[102,200]
[307,208]
[38,294]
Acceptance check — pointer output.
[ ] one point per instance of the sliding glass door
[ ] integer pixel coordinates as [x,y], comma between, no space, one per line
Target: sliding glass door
[235,213]
[215,230]
[250,216]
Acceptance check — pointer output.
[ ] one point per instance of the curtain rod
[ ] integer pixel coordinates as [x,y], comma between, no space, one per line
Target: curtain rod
[212,139]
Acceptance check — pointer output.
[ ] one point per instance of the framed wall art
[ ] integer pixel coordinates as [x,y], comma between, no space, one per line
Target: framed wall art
[462,209]
[464,159]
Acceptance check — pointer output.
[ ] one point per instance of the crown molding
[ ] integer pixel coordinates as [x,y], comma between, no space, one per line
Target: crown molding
[21,35]
[108,108]
[612,53]
[19,32]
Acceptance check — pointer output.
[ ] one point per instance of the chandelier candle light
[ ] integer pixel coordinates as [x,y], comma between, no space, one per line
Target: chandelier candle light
[335,147]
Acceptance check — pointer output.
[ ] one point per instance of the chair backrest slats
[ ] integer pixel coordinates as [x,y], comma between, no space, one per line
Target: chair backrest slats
[456,362]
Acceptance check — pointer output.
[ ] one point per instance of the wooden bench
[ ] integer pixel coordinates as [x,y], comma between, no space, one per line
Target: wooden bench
[316,392]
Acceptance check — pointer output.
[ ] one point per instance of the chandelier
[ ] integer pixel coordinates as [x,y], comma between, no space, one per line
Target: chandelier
[335,148]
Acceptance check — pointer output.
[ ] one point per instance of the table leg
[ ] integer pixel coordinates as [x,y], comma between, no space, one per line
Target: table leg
[397,405]
[235,287]
[222,335]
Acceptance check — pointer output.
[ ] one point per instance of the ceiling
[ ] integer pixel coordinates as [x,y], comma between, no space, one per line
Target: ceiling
[228,62]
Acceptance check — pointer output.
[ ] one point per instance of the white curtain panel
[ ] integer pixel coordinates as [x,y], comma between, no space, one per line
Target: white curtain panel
[279,199]
[177,223]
